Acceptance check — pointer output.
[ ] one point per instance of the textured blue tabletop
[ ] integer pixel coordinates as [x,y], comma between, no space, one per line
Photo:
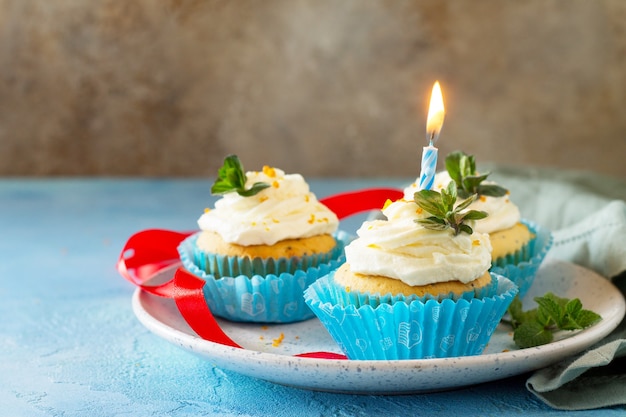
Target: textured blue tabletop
[71,345]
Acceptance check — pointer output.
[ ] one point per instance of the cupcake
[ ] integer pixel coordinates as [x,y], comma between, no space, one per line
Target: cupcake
[414,285]
[519,245]
[266,239]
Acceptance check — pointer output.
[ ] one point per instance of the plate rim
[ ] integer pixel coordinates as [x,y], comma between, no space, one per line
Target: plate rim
[220,353]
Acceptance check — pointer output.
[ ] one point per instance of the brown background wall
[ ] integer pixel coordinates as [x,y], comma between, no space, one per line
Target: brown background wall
[325,88]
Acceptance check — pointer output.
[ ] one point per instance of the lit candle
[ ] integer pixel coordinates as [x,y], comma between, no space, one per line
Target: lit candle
[433,128]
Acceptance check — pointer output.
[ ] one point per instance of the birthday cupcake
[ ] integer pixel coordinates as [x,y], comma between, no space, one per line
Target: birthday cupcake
[264,242]
[414,285]
[519,245]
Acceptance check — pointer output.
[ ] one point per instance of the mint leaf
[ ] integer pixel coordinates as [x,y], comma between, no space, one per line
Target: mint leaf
[518,315]
[255,189]
[550,308]
[462,170]
[453,166]
[530,334]
[491,190]
[232,178]
[448,196]
[466,229]
[429,201]
[475,215]
[466,203]
[573,307]
[433,223]
[586,318]
[444,213]
[536,326]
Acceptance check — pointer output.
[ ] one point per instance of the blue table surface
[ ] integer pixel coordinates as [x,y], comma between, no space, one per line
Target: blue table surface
[71,345]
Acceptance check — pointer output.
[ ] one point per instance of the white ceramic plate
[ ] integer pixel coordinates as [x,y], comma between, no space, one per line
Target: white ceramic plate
[266,357]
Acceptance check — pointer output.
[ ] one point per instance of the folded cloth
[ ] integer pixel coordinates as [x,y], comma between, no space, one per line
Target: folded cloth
[587,214]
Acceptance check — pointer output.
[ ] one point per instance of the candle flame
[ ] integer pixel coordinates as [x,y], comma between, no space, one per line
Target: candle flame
[436,113]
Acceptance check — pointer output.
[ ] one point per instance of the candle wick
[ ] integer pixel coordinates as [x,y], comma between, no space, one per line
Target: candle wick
[432,137]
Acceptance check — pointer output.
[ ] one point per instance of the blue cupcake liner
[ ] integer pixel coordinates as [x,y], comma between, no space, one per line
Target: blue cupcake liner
[414,330]
[358,298]
[271,298]
[232,266]
[521,267]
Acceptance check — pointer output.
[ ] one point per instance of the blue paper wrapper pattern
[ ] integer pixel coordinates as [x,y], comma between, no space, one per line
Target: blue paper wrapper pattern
[410,330]
[357,298]
[232,266]
[269,298]
[521,267]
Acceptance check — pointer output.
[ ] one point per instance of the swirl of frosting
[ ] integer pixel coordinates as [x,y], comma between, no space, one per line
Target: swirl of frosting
[285,210]
[402,249]
[502,212]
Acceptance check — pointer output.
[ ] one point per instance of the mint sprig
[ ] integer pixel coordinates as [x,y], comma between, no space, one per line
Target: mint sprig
[444,213]
[462,170]
[232,178]
[537,326]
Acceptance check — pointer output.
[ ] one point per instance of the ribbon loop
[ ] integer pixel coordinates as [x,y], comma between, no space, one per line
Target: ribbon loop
[148,252]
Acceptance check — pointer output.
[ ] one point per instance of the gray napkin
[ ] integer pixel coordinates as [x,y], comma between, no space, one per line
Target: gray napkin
[587,215]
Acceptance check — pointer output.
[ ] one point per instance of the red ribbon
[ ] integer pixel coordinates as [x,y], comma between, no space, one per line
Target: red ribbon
[150,251]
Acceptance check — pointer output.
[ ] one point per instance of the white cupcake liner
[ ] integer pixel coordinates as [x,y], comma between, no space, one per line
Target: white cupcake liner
[415,330]
[271,298]
[521,267]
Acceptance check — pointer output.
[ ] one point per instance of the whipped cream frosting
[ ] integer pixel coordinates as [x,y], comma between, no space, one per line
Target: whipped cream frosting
[285,210]
[502,212]
[402,249]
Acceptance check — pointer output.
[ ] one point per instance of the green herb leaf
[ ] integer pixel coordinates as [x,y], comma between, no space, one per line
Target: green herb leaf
[537,326]
[462,170]
[429,200]
[466,203]
[518,315]
[491,190]
[465,228]
[444,213]
[232,178]
[586,318]
[573,307]
[550,307]
[474,215]
[530,334]
[255,189]
[433,223]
